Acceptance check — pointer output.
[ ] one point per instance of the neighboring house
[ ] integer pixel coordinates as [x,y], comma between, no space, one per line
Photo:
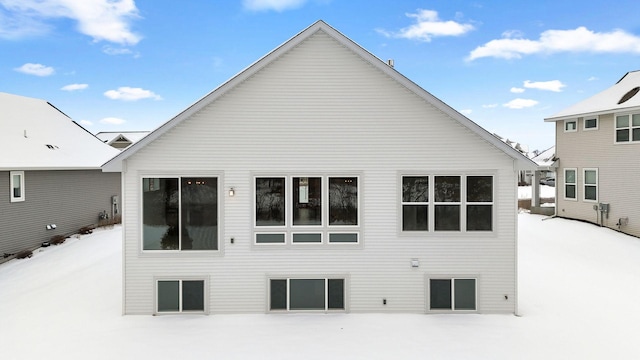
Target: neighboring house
[598,147]
[121,140]
[319,179]
[50,174]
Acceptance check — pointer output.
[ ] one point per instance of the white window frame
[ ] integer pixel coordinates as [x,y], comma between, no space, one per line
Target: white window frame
[12,184]
[584,185]
[584,123]
[575,184]
[205,294]
[453,298]
[575,125]
[629,128]
[345,294]
[289,229]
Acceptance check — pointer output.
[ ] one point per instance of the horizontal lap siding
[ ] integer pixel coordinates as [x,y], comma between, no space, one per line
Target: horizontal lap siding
[325,111]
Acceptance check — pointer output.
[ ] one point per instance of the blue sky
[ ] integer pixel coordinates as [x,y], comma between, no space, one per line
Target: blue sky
[124,65]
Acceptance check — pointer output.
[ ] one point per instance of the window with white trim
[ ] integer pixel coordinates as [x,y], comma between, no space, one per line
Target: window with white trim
[293,294]
[570,184]
[590,123]
[590,183]
[16,185]
[180,213]
[176,296]
[456,294]
[453,203]
[306,210]
[570,125]
[627,128]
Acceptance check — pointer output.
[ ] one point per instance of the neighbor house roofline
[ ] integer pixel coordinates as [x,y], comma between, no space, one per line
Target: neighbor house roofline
[115,164]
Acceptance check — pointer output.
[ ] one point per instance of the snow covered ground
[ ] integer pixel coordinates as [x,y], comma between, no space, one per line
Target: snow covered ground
[546,191]
[579,289]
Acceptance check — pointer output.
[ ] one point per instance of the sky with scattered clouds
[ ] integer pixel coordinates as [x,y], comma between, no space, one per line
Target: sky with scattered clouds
[117,65]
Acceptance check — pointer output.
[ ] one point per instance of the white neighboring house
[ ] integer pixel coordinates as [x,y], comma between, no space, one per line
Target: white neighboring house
[319,179]
[122,139]
[50,174]
[598,147]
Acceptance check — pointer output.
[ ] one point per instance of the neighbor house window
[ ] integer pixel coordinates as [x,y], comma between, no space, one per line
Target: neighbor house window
[180,296]
[570,125]
[453,203]
[306,210]
[590,184]
[180,213]
[452,294]
[16,185]
[306,294]
[627,128]
[590,123]
[570,185]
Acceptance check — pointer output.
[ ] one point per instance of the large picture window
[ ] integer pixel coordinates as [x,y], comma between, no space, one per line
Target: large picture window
[180,213]
[16,185]
[180,296]
[452,294]
[590,184]
[570,184]
[459,203]
[627,128]
[306,210]
[306,294]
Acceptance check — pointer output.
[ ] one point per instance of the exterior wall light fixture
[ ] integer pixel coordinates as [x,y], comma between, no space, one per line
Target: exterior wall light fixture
[232,192]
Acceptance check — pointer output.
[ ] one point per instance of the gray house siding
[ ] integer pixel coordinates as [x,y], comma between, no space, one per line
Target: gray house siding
[70,199]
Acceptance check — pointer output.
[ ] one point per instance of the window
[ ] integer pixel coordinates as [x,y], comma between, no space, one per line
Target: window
[17,185]
[180,213]
[459,203]
[570,184]
[452,294]
[180,296]
[627,128]
[306,210]
[590,123]
[306,294]
[570,125]
[590,184]
[631,93]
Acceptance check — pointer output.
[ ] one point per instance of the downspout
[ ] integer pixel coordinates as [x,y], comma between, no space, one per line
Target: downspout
[515,237]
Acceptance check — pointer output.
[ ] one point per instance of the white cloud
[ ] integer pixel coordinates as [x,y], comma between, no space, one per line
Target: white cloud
[580,39]
[110,50]
[520,103]
[131,94]
[74,87]
[112,121]
[107,20]
[35,69]
[277,5]
[553,85]
[466,111]
[517,90]
[490,106]
[592,78]
[427,26]
[86,123]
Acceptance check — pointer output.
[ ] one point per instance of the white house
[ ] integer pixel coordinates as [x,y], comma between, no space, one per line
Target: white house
[319,179]
[121,139]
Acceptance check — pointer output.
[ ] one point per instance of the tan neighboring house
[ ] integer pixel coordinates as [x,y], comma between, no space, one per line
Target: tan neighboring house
[598,151]
[121,140]
[319,179]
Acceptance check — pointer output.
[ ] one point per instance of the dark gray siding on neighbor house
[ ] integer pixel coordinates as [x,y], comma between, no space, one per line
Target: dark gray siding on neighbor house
[70,199]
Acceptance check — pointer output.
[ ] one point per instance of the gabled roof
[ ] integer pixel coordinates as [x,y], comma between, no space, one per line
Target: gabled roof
[546,159]
[607,101]
[35,135]
[115,164]
[112,136]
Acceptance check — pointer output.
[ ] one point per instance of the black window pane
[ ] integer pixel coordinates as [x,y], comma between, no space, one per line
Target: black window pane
[636,135]
[307,238]
[199,200]
[335,288]
[307,201]
[479,217]
[193,295]
[160,214]
[480,188]
[622,135]
[276,238]
[590,193]
[270,201]
[447,217]
[306,294]
[415,217]
[343,201]
[447,189]
[415,188]
[440,294]
[168,296]
[343,238]
[570,191]
[278,295]
[465,294]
